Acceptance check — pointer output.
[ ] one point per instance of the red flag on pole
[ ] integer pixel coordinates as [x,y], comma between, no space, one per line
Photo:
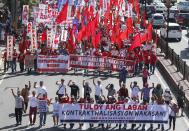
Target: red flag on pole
[63,14]
[149,31]
[136,42]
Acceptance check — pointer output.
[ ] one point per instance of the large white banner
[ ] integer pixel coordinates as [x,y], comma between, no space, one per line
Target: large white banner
[9,48]
[54,63]
[114,113]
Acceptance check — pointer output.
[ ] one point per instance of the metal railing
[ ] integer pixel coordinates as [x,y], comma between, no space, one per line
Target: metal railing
[175,58]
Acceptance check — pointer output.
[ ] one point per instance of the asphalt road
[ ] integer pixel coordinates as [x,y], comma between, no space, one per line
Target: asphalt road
[8,81]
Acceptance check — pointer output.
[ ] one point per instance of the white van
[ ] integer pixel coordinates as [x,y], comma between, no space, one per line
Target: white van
[175,31]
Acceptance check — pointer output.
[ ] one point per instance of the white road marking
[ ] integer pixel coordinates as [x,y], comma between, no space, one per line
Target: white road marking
[157,73]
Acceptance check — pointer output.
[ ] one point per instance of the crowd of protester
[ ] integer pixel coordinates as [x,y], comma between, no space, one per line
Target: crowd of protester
[135,94]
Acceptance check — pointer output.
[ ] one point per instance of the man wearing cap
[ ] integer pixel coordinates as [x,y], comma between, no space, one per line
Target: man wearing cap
[74,89]
[19,106]
[25,94]
[61,90]
[145,93]
[98,90]
[122,75]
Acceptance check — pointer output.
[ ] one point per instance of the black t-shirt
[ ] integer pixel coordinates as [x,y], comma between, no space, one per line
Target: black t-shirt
[74,90]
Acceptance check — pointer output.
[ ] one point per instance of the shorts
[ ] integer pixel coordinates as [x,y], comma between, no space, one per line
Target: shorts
[55,114]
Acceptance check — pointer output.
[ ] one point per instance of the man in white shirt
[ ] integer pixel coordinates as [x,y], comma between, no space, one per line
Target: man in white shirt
[40,90]
[61,89]
[33,101]
[98,90]
[134,90]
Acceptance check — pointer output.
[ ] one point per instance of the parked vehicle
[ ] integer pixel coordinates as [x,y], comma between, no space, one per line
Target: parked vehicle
[157,20]
[160,8]
[182,19]
[175,31]
[183,6]
[172,12]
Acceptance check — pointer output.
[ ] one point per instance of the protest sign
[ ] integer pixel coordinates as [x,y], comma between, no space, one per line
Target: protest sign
[55,63]
[42,106]
[25,14]
[114,113]
[29,61]
[9,48]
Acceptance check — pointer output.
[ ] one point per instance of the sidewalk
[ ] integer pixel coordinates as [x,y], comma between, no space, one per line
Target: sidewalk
[170,74]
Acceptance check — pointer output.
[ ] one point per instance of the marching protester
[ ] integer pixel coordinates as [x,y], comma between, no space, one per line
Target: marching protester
[43,103]
[74,90]
[87,90]
[157,92]
[61,89]
[25,94]
[56,111]
[19,106]
[33,103]
[21,58]
[111,91]
[40,90]
[167,96]
[14,61]
[145,75]
[134,90]
[98,90]
[122,75]
[181,99]
[6,64]
[123,92]
[153,60]
[173,113]
[145,93]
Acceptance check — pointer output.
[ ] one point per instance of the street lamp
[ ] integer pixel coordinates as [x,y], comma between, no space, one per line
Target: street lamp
[168,5]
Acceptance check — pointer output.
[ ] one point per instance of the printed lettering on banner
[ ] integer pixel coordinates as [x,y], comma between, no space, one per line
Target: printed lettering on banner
[104,63]
[34,39]
[29,30]
[29,61]
[42,106]
[9,48]
[114,113]
[25,14]
[64,35]
[49,38]
[54,63]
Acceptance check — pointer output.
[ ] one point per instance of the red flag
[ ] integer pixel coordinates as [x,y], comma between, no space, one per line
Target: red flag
[71,43]
[149,31]
[44,36]
[96,40]
[144,20]
[144,37]
[135,43]
[63,14]
[129,24]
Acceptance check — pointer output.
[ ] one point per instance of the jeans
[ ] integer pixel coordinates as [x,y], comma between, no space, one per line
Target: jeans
[14,65]
[33,111]
[21,66]
[172,118]
[18,115]
[42,117]
[152,68]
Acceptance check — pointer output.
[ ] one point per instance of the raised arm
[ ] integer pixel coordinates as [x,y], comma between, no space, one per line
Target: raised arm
[83,83]
[69,82]
[57,83]
[29,85]
[35,85]
[13,93]
[107,87]
[94,82]
[131,85]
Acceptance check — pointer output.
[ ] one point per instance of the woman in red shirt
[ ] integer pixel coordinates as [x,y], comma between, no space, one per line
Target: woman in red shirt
[153,60]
